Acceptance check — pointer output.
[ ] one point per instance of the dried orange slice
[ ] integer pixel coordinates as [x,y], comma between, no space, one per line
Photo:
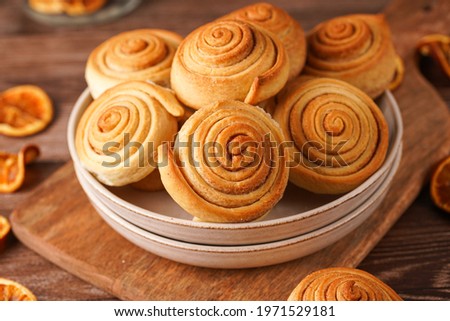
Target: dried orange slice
[13,291]
[440,185]
[71,7]
[436,46]
[4,231]
[24,110]
[12,168]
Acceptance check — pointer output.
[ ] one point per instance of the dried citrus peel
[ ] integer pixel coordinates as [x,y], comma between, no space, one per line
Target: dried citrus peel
[13,291]
[438,47]
[24,110]
[4,231]
[342,284]
[12,168]
[440,185]
[399,73]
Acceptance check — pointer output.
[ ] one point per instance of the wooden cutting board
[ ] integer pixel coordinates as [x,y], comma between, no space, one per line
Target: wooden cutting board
[59,223]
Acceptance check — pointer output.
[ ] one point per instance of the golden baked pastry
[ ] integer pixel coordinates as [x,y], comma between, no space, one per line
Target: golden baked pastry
[355,48]
[342,284]
[12,168]
[280,23]
[436,46]
[143,54]
[399,74]
[227,164]
[47,6]
[440,185]
[228,60]
[13,291]
[339,135]
[118,134]
[24,110]
[70,7]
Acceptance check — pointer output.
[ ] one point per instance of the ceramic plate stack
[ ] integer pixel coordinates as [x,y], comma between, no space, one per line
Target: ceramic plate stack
[300,224]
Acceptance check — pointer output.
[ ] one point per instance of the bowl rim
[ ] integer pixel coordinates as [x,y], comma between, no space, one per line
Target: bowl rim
[84,100]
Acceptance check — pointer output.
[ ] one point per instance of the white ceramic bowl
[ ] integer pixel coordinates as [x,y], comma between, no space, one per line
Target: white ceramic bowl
[299,211]
[247,256]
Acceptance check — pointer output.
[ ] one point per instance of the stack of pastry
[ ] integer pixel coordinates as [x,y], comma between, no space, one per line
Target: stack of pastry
[219,164]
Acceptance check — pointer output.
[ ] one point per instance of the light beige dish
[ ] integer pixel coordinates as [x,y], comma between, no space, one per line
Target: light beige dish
[234,257]
[158,213]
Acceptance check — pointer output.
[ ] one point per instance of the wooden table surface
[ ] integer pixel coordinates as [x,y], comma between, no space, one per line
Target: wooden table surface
[414,257]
